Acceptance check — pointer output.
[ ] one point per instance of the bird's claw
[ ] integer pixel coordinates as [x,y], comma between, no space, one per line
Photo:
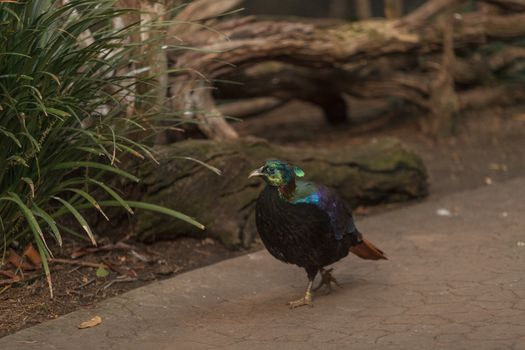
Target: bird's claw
[326,280]
[306,300]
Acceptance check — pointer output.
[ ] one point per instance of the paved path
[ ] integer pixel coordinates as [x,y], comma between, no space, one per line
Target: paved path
[451,283]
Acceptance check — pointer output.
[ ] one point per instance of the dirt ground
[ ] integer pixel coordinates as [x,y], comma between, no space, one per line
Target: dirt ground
[489,148]
[76,286]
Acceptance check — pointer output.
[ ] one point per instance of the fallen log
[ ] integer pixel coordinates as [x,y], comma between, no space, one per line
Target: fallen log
[382,171]
[377,58]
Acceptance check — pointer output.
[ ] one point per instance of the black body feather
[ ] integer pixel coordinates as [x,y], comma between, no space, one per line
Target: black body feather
[308,235]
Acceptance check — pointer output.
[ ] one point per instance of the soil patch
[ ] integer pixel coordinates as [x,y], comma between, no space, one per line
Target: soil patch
[26,304]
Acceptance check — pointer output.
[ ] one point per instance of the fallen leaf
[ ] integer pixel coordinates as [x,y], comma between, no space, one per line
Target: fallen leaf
[33,256]
[18,262]
[102,272]
[95,321]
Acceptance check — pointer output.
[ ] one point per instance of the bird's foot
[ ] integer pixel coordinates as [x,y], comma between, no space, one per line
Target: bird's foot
[326,280]
[306,300]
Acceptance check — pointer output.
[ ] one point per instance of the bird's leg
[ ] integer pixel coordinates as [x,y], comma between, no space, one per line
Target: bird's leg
[327,279]
[306,300]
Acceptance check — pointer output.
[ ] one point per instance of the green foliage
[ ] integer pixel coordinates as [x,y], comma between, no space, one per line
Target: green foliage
[63,130]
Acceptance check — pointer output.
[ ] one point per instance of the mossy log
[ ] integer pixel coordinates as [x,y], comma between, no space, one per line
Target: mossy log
[382,171]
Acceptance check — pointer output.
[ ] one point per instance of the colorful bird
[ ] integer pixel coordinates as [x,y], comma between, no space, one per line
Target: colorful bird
[306,224]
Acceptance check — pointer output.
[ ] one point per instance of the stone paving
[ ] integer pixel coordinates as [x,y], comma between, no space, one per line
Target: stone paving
[452,282]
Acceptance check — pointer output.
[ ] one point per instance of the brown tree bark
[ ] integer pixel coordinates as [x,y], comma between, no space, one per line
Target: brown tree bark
[444,104]
[319,62]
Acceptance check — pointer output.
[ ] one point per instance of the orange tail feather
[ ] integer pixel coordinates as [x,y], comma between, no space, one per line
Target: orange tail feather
[366,250]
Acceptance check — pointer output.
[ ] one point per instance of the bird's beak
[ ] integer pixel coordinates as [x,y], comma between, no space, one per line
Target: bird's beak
[256,172]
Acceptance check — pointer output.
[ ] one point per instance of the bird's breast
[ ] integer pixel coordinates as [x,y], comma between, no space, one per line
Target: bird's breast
[294,233]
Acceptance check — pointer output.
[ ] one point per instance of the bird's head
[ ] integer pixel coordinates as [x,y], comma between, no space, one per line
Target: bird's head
[277,173]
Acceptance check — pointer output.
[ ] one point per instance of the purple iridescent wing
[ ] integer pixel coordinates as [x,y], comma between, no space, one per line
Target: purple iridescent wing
[330,202]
